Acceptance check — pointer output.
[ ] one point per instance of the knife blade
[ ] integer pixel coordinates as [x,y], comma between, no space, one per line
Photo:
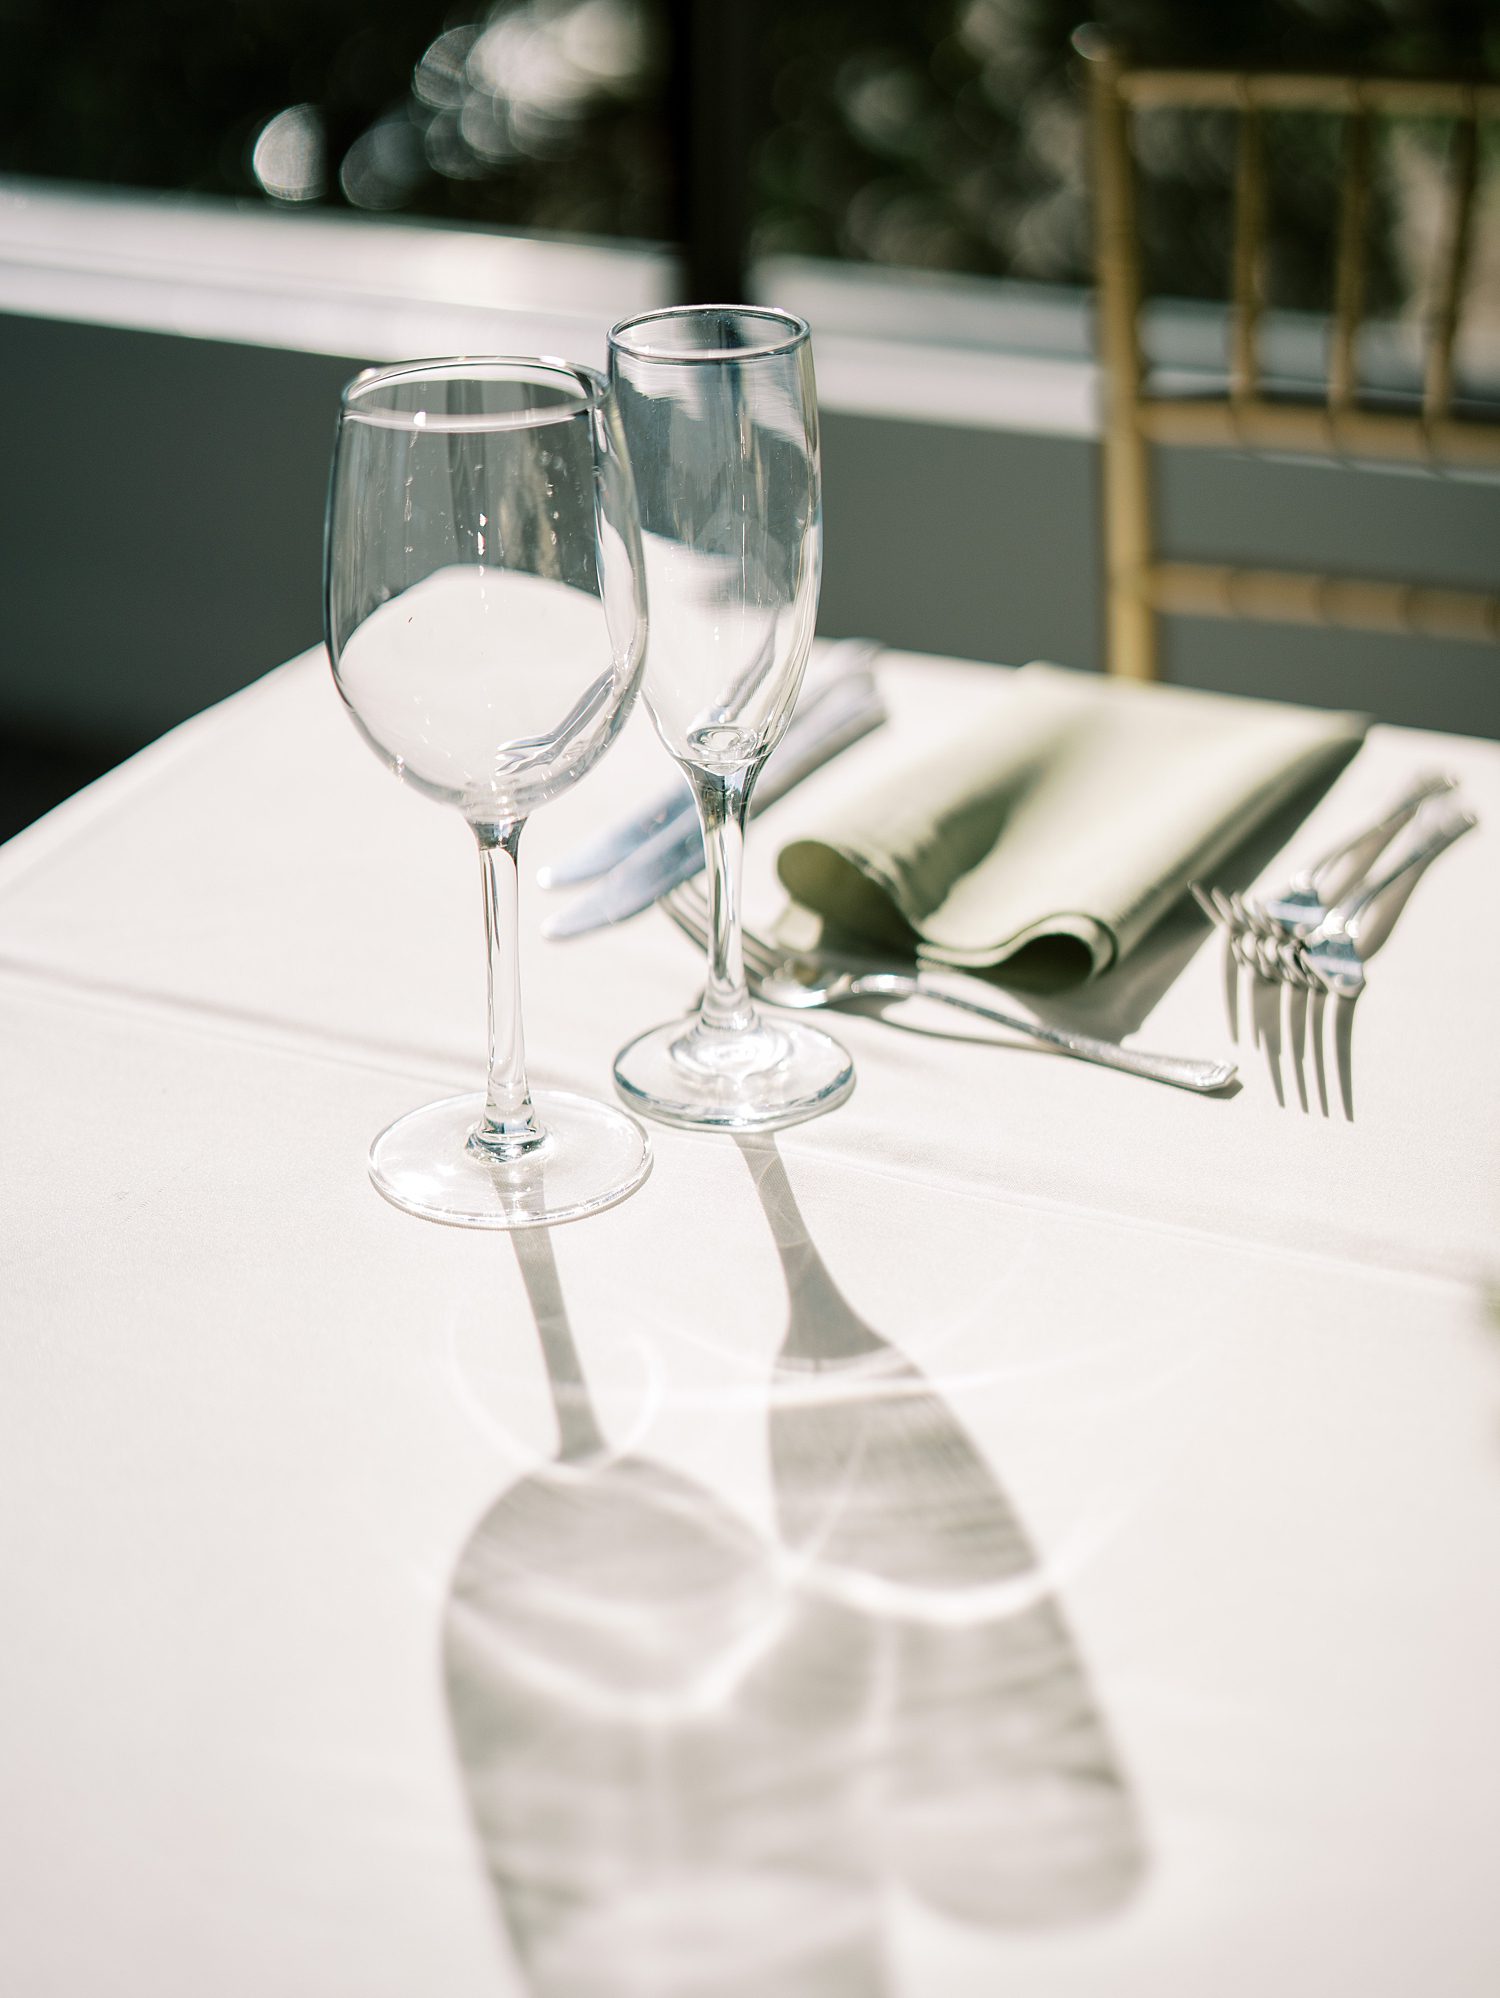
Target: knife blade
[674,853]
[605,850]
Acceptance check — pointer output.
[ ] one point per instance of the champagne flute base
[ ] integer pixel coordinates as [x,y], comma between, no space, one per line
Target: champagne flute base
[592,1156]
[758,1079]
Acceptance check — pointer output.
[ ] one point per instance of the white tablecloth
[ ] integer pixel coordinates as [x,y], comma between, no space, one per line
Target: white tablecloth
[1109,1613]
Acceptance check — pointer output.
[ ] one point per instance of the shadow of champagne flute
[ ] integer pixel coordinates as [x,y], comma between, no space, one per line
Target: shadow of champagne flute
[1001,1798]
[662,1737]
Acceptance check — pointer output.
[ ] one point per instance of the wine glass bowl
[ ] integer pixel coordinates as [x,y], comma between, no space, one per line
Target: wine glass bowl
[463,585]
[485,617]
[719,408]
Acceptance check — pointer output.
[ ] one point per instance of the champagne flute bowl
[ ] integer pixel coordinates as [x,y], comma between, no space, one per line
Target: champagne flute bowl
[485,619]
[719,409]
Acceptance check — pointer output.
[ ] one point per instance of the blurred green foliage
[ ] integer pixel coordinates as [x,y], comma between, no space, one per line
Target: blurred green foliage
[939,134]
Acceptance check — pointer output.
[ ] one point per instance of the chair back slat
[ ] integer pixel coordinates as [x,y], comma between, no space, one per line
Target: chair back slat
[1119,299]
[1224,90]
[1249,258]
[1353,603]
[1117,307]
[1381,436]
[1349,271]
[1453,271]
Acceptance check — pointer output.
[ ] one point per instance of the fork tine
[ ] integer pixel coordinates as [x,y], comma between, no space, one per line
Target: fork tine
[759,953]
[685,917]
[1226,911]
[1296,969]
[1250,916]
[1261,955]
[1234,914]
[1282,962]
[689,897]
[688,907]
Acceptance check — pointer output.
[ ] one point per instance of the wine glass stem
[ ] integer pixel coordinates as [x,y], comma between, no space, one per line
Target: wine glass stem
[509,1129]
[721,801]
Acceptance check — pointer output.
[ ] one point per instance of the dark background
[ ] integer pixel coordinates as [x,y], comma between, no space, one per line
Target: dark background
[915,135]
[930,134]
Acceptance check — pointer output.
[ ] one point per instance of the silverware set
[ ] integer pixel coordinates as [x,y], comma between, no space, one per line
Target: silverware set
[1310,934]
[802,979]
[655,855]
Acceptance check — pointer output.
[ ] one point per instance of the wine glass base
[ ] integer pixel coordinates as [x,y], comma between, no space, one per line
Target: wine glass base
[592,1156]
[768,1075]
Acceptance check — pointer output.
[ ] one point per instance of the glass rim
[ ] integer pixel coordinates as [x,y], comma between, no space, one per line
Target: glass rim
[797,332]
[590,386]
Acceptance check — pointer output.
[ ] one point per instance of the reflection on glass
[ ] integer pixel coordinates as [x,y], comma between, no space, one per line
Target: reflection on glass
[287,158]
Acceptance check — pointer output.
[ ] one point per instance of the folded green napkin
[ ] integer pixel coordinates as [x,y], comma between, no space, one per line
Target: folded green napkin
[1060,822]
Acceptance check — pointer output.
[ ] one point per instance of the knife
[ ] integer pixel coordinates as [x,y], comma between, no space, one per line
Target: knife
[849,658]
[674,852]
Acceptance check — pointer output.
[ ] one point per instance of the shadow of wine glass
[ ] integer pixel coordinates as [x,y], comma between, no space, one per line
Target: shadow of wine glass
[695,1756]
[663,1737]
[998,1796]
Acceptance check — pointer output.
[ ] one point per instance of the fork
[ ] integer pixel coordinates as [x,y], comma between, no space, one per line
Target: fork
[800,979]
[1307,900]
[1330,957]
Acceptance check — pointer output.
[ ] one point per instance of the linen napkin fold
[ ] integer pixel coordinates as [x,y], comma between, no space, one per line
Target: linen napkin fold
[1057,825]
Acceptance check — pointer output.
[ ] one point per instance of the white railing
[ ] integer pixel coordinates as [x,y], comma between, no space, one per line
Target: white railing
[959,447]
[326,284]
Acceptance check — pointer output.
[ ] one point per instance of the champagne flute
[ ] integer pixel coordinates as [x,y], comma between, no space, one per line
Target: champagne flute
[486,624]
[720,413]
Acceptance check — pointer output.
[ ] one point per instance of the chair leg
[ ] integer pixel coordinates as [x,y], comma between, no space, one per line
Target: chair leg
[1132,634]
[1131,617]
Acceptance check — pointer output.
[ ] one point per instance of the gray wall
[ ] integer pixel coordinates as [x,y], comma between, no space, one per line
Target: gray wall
[161,525]
[162,516]
[987,545]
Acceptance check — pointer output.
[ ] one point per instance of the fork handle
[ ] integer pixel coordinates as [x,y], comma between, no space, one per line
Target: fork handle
[1453,825]
[1383,829]
[1182,1071]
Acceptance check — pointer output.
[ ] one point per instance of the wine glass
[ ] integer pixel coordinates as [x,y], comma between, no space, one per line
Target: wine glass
[486,623]
[720,414]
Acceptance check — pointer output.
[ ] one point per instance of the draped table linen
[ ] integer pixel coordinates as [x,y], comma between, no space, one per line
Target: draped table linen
[1028,1530]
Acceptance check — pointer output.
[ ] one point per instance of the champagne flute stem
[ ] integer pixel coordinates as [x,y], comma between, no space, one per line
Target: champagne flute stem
[721,799]
[509,1129]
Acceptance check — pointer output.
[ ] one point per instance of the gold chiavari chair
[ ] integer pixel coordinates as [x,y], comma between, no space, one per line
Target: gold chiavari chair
[1244,417]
